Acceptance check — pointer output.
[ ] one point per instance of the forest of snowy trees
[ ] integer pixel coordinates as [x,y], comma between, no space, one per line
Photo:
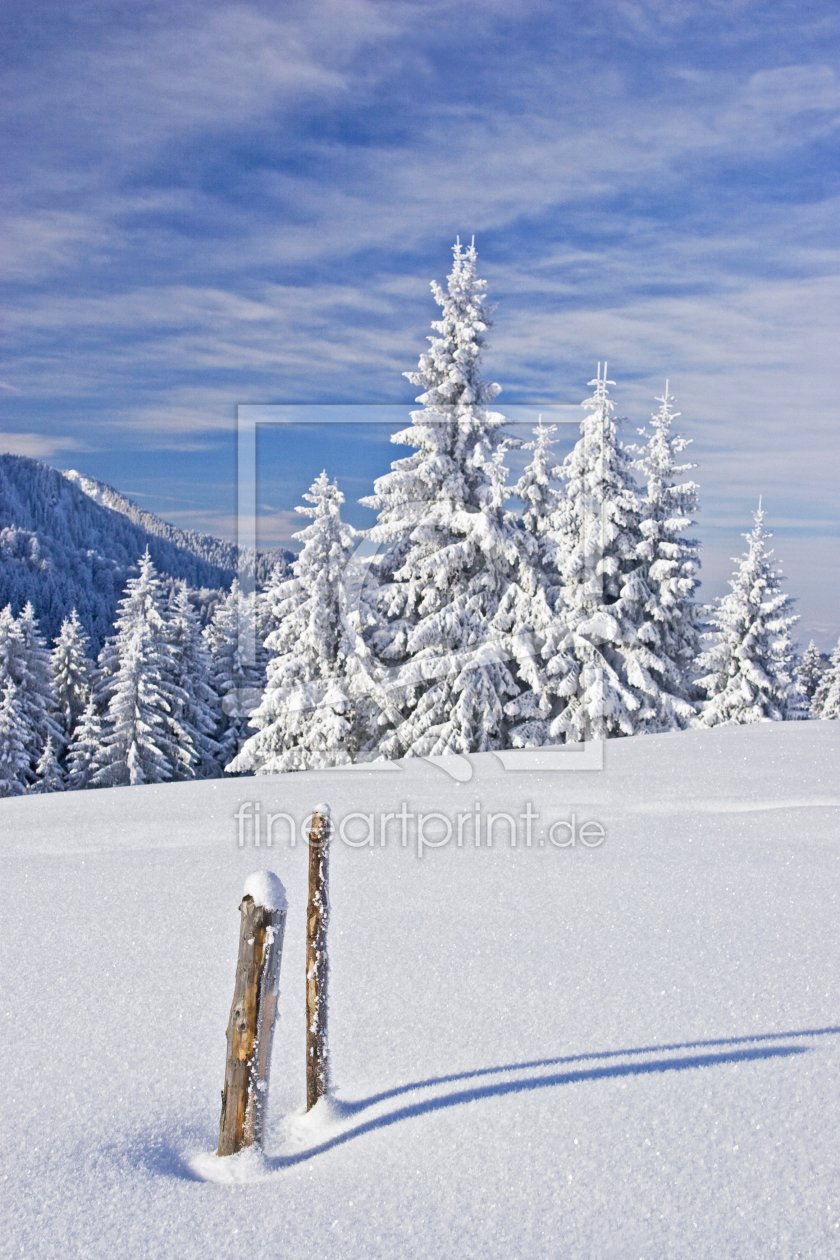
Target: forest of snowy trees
[497,613]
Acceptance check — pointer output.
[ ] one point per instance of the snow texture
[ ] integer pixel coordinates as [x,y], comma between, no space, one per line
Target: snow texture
[619,1052]
[265,889]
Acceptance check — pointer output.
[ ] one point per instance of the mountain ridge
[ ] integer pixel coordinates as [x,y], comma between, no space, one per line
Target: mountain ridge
[68,541]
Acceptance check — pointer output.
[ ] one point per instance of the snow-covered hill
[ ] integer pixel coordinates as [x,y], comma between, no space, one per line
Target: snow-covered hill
[218,552]
[67,541]
[626,1050]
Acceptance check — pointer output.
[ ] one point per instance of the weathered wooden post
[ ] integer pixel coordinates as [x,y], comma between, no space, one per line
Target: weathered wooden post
[317,963]
[251,1025]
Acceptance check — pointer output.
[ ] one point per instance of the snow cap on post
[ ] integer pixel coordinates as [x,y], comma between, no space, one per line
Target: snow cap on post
[265,889]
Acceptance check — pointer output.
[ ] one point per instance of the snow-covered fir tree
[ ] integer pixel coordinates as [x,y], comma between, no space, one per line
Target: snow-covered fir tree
[602,670]
[24,661]
[266,610]
[142,741]
[666,582]
[748,673]
[826,701]
[236,678]
[195,706]
[450,545]
[84,754]
[12,666]
[810,671]
[71,672]
[529,622]
[316,708]
[50,777]
[36,688]
[540,487]
[14,759]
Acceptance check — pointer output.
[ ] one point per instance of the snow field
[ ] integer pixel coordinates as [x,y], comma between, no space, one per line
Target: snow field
[628,1051]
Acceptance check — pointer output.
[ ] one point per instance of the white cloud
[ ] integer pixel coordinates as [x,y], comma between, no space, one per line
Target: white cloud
[38,445]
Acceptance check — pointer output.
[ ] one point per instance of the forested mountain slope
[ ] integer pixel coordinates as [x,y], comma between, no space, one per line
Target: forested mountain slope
[67,541]
[216,551]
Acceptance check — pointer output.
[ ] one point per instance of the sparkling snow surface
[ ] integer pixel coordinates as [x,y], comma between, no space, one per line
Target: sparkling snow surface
[621,1051]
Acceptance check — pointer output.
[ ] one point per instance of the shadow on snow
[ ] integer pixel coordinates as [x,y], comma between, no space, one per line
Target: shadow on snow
[747,1052]
[528,1084]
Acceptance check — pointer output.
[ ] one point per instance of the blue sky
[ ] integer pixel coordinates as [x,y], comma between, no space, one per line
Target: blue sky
[212,204]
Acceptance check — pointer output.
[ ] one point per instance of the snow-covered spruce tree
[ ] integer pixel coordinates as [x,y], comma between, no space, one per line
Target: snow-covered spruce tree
[142,742]
[748,674]
[37,694]
[602,669]
[826,701]
[810,671]
[50,777]
[266,616]
[451,547]
[666,581]
[14,759]
[237,682]
[71,671]
[12,666]
[315,707]
[24,661]
[84,754]
[529,622]
[195,706]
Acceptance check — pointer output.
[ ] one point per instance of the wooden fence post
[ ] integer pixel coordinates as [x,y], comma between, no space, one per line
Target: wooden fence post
[317,962]
[251,1025]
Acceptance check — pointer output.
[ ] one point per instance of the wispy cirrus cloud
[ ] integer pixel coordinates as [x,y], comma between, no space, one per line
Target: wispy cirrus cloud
[38,445]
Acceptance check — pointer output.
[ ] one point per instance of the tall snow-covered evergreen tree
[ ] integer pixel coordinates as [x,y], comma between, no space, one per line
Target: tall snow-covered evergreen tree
[14,759]
[810,670]
[826,701]
[750,667]
[529,622]
[85,752]
[237,681]
[71,671]
[540,487]
[24,661]
[50,777]
[666,581]
[36,692]
[12,656]
[451,545]
[316,707]
[601,669]
[195,706]
[142,741]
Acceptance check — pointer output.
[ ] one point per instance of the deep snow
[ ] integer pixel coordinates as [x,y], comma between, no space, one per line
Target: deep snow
[621,1051]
